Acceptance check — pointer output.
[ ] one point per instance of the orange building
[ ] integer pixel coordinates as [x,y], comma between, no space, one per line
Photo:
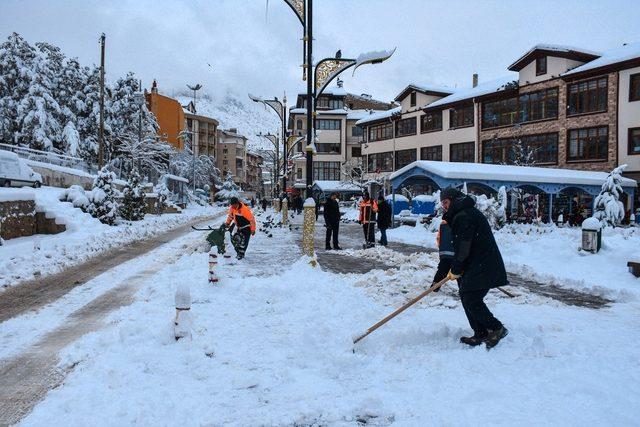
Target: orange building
[170,116]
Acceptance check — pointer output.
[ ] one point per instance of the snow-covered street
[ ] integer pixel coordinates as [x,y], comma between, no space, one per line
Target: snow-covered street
[272,345]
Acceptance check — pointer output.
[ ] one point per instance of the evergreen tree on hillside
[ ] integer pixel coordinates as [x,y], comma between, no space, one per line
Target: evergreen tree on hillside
[133,204]
[609,210]
[88,114]
[16,62]
[103,204]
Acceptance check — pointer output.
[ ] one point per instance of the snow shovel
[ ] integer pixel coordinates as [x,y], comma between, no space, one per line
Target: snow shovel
[433,287]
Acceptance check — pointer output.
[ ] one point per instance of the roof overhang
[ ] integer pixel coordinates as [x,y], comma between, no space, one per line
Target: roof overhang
[537,52]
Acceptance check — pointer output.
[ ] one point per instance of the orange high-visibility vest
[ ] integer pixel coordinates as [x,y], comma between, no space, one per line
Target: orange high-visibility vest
[241,216]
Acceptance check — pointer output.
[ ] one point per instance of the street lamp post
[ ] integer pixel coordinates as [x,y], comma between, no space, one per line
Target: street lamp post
[281,110]
[195,88]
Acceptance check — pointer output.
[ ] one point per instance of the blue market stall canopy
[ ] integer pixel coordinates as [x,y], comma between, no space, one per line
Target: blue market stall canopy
[548,180]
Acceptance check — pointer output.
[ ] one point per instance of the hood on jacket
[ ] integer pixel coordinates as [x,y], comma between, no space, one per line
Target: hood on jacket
[457,205]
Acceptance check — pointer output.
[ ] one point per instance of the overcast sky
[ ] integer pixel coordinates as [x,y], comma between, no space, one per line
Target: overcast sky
[252,49]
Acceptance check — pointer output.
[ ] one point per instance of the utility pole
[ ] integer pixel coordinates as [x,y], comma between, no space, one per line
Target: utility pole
[310,102]
[101,135]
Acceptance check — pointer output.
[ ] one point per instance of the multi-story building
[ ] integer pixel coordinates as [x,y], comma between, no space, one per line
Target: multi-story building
[253,174]
[232,148]
[169,115]
[202,131]
[566,107]
[338,137]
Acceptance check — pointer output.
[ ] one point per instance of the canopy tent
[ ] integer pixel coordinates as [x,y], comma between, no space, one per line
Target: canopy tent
[550,181]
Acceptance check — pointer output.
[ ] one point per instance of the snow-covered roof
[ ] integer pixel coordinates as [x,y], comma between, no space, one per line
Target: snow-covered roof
[175,177]
[334,91]
[378,115]
[336,186]
[560,50]
[361,114]
[424,88]
[623,53]
[484,88]
[482,171]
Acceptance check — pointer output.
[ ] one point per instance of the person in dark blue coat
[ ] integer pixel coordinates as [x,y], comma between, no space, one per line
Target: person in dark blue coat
[474,260]
[384,218]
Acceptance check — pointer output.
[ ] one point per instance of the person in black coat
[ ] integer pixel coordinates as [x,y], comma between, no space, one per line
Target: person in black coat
[332,221]
[476,264]
[384,218]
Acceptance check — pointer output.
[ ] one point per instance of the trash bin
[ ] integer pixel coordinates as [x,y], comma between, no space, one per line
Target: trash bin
[591,235]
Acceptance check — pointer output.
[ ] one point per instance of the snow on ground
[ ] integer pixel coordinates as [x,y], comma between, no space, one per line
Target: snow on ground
[551,253]
[272,345]
[27,257]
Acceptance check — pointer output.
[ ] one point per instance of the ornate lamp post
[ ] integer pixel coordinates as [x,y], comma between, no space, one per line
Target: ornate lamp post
[281,110]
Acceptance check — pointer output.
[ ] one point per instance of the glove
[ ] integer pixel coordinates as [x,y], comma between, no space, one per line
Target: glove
[452,276]
[253,233]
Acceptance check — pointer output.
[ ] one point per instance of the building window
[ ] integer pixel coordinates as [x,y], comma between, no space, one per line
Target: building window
[588,144]
[431,122]
[380,162]
[431,153]
[589,96]
[406,127]
[634,141]
[528,107]
[356,152]
[326,171]
[634,88]
[462,152]
[405,157]
[412,99]
[357,131]
[380,132]
[526,150]
[299,124]
[328,124]
[225,151]
[225,162]
[541,65]
[299,173]
[336,104]
[328,148]
[461,117]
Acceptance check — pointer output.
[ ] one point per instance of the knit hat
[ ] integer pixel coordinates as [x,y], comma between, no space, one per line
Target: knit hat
[450,193]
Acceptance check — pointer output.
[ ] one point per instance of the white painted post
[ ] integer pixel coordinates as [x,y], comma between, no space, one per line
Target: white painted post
[213,261]
[182,322]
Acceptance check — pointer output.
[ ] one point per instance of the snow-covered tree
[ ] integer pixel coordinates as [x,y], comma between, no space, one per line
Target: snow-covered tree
[207,174]
[162,200]
[228,189]
[608,209]
[16,63]
[147,157]
[522,154]
[491,209]
[352,172]
[88,114]
[133,207]
[502,206]
[71,139]
[103,198]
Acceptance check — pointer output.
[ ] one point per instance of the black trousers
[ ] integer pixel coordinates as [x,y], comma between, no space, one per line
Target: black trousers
[240,241]
[478,314]
[332,231]
[369,232]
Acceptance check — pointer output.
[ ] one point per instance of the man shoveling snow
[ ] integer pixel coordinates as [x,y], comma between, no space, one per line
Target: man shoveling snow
[475,261]
[242,217]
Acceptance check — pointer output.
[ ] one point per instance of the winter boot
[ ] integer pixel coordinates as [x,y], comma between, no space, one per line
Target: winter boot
[473,341]
[495,336]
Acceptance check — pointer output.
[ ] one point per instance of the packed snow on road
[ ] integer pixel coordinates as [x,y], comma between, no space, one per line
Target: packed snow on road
[272,343]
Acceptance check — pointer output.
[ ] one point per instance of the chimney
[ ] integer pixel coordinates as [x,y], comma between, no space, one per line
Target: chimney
[154,87]
[475,79]
[233,130]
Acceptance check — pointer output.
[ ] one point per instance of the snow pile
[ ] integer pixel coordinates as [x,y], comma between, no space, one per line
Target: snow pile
[85,237]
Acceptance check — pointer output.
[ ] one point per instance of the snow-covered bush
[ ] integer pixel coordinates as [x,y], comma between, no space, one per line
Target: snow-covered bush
[162,201]
[608,208]
[491,209]
[103,198]
[133,207]
[76,196]
[228,189]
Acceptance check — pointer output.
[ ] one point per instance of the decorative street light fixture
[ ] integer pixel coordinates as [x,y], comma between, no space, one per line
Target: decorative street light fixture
[325,71]
[194,148]
[281,110]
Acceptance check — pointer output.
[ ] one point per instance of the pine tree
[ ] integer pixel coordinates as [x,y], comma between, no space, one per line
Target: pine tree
[88,114]
[609,210]
[228,189]
[133,206]
[16,63]
[103,198]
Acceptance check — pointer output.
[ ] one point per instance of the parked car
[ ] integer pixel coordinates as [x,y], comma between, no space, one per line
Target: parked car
[14,172]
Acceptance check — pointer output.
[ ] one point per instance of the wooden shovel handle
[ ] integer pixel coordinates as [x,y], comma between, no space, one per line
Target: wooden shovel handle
[403,308]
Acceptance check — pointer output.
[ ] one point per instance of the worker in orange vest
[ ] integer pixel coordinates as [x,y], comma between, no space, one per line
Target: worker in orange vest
[245,224]
[368,210]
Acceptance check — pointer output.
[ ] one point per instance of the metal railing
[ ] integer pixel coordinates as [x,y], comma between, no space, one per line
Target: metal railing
[48,157]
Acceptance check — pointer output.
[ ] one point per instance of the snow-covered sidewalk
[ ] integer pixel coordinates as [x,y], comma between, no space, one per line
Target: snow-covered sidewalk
[272,345]
[30,257]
